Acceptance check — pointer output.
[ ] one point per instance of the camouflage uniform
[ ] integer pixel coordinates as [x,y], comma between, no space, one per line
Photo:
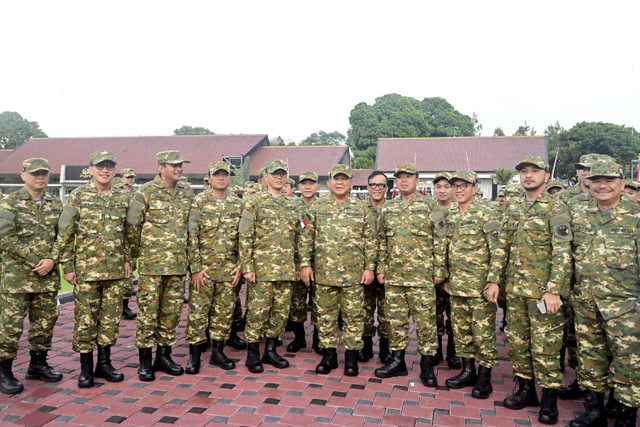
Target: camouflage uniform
[128,290]
[374,296]
[606,295]
[443,299]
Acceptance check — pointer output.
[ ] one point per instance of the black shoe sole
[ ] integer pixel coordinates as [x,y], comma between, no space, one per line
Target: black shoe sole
[395,374]
[41,378]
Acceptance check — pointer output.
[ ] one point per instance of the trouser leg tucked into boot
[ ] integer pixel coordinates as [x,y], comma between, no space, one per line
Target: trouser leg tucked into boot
[299,341]
[253,362]
[329,361]
[366,352]
[8,383]
[145,371]
[85,379]
[126,311]
[593,415]
[351,363]
[104,368]
[549,406]
[395,368]
[570,392]
[271,356]
[467,377]
[427,375]
[39,369]
[218,357]
[165,363]
[525,396]
[234,340]
[193,365]
[483,388]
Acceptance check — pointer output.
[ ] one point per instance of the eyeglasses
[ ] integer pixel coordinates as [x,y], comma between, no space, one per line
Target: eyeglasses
[109,167]
[279,174]
[377,186]
[462,186]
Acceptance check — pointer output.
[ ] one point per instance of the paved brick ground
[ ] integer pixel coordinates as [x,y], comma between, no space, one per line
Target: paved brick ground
[294,396]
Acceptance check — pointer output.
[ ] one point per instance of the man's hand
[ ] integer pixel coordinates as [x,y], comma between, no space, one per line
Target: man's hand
[198,279]
[44,266]
[306,274]
[552,301]
[70,277]
[127,269]
[237,275]
[446,286]
[381,277]
[493,292]
[250,277]
[367,277]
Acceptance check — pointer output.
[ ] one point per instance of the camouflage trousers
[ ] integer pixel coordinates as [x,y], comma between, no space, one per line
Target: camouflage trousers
[419,303]
[474,329]
[569,340]
[535,340]
[332,300]
[298,309]
[160,300]
[502,297]
[374,298]
[43,314]
[267,310]
[598,340]
[237,306]
[443,306]
[128,289]
[314,307]
[96,314]
[211,307]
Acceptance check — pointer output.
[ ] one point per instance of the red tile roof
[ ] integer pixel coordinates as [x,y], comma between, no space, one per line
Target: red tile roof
[137,152]
[360,176]
[480,154]
[318,158]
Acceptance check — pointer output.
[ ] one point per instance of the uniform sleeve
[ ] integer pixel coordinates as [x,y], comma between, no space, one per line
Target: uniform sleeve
[561,255]
[306,238]
[193,242]
[67,228]
[491,230]
[370,240]
[54,253]
[502,248]
[440,241]
[9,242]
[247,232]
[381,267]
[135,218]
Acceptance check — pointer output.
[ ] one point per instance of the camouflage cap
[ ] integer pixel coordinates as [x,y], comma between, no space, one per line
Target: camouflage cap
[126,173]
[555,184]
[275,165]
[513,190]
[205,180]
[102,156]
[291,182]
[586,160]
[250,185]
[533,160]
[237,190]
[341,169]
[261,172]
[442,175]
[605,169]
[310,175]
[479,191]
[220,166]
[171,157]
[35,164]
[631,183]
[406,168]
[502,191]
[468,176]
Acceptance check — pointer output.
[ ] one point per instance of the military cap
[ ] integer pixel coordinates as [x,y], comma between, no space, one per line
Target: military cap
[442,175]
[631,183]
[554,184]
[102,156]
[35,164]
[275,165]
[468,176]
[250,185]
[406,168]
[605,169]
[126,173]
[220,166]
[479,191]
[533,160]
[205,180]
[237,190]
[291,182]
[586,160]
[513,190]
[341,169]
[502,191]
[310,175]
[171,157]
[261,172]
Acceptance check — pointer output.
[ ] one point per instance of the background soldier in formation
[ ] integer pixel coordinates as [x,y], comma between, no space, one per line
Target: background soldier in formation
[213,259]
[340,242]
[128,180]
[95,257]
[289,189]
[536,241]
[30,284]
[158,215]
[410,262]
[473,275]
[267,251]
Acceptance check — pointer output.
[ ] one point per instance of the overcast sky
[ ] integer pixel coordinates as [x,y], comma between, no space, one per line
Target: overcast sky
[291,68]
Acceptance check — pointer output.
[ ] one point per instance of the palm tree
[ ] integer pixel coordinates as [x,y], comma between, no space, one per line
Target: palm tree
[503,175]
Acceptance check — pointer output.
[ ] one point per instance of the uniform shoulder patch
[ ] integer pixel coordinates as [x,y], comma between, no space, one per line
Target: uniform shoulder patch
[68,212]
[245,221]
[491,226]
[439,218]
[134,212]
[6,218]
[194,219]
[561,228]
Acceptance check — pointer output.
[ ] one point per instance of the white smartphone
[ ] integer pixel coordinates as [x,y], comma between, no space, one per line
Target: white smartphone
[542,306]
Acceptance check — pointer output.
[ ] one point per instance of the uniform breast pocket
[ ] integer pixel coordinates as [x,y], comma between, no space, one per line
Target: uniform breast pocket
[470,238]
[117,218]
[620,253]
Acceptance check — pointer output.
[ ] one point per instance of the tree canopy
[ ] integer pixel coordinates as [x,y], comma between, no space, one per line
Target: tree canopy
[324,138]
[191,130]
[524,130]
[397,116]
[498,132]
[14,130]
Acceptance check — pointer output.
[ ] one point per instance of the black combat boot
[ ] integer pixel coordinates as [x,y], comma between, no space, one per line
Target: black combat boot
[279,341]
[271,357]
[612,407]
[165,363]
[329,361]
[453,362]
[366,352]
[626,417]
[593,415]
[549,406]
[299,341]
[570,392]
[39,369]
[8,383]
[104,368]
[438,356]
[126,311]
[525,396]
[351,363]
[315,344]
[145,372]
[253,362]
[85,380]
[383,350]
[427,375]
[234,340]
[483,387]
[395,368]
[467,377]
[193,365]
[218,357]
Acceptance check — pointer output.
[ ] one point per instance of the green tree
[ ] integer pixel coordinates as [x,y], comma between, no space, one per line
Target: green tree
[324,138]
[498,132]
[241,174]
[279,141]
[477,127]
[15,130]
[503,175]
[524,130]
[397,116]
[190,130]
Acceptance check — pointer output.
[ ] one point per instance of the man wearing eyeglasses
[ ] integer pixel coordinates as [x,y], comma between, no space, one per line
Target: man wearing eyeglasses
[374,293]
[95,257]
[158,216]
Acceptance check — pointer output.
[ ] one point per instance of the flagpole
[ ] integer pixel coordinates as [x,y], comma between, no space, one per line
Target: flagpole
[553,171]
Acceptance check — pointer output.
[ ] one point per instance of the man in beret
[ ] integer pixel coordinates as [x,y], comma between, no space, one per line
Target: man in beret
[28,231]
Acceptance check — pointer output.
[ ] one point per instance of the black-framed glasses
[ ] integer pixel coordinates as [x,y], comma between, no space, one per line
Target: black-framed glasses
[377,186]
[101,166]
[462,186]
